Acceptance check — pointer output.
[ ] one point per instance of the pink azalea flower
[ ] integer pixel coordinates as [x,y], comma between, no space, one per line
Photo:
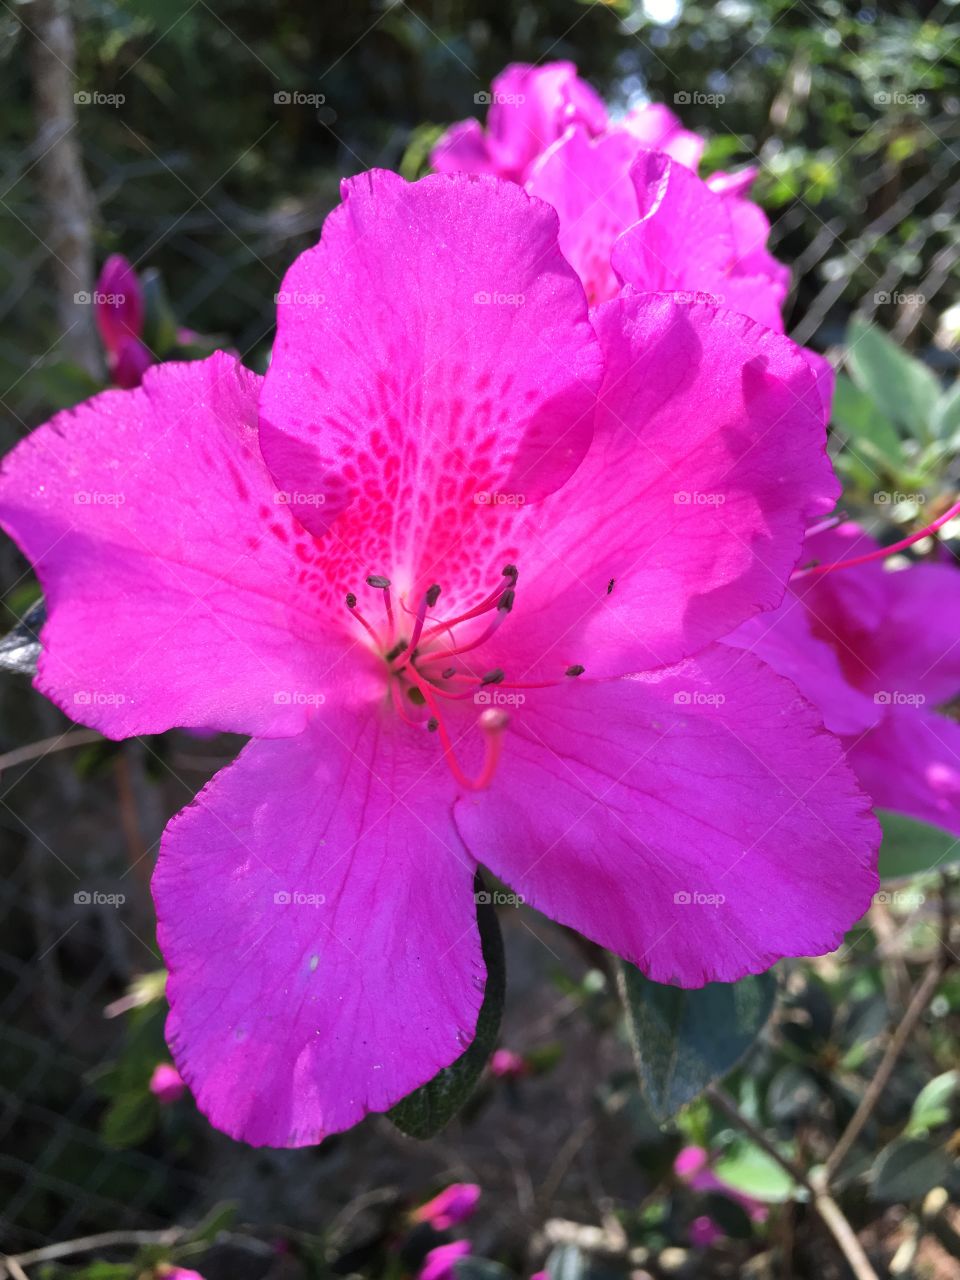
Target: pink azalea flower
[166,1083]
[634,216]
[508,1065]
[529,107]
[118,312]
[460,564]
[454,1204]
[439,1263]
[851,641]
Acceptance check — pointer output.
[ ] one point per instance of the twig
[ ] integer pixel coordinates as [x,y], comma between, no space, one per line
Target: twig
[918,1003]
[86,1244]
[828,1209]
[13,1266]
[47,746]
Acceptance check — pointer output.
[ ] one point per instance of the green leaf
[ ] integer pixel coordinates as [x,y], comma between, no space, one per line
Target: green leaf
[946,416]
[685,1040]
[748,1168]
[911,848]
[160,324]
[129,1120]
[430,1108]
[864,425]
[20,648]
[931,1108]
[905,388]
[908,1168]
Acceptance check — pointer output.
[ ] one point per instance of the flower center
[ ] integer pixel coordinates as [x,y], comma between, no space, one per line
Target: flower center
[429,668]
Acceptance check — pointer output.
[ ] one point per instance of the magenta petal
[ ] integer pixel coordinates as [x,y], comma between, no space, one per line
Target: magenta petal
[173,591]
[316,913]
[699,822]
[433,345]
[692,239]
[784,639]
[910,763]
[688,514]
[587,180]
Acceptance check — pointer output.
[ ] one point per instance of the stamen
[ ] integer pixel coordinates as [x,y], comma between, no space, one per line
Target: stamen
[575,670]
[380,583]
[882,553]
[352,606]
[510,572]
[431,596]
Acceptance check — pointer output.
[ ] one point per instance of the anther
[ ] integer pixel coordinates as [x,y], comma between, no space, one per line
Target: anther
[433,595]
[379,581]
[351,600]
[448,673]
[576,670]
[610,585]
[396,651]
[492,677]
[433,724]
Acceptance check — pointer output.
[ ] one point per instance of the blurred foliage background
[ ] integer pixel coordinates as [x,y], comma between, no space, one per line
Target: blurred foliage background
[200,170]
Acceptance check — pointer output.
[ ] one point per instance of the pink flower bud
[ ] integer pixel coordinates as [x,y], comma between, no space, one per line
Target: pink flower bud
[118,304]
[507,1065]
[454,1204]
[439,1262]
[166,1085]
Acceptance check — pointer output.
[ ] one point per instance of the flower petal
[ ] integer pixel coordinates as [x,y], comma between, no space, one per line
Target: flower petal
[434,345]
[911,763]
[317,916]
[698,822]
[688,514]
[177,588]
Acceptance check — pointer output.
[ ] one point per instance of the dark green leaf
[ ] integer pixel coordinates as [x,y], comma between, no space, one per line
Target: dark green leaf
[685,1040]
[907,1169]
[20,648]
[129,1120]
[430,1108]
[911,848]
[731,1217]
